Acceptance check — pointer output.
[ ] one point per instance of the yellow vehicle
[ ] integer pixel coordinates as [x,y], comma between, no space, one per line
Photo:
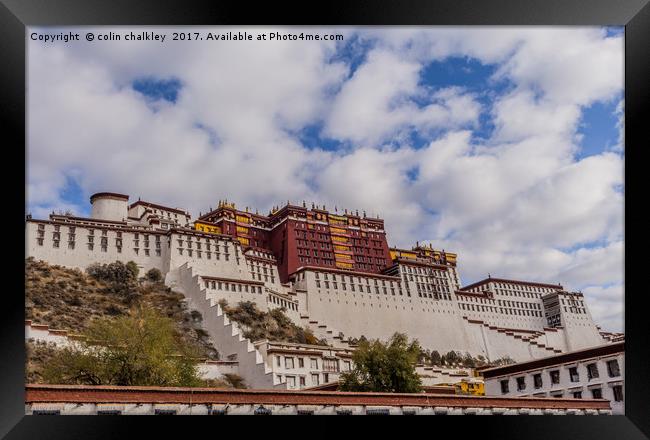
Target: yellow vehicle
[470,386]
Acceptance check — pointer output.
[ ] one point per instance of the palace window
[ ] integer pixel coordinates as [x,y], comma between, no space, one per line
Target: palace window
[505,387]
[573,374]
[288,363]
[597,393]
[521,383]
[577,394]
[314,363]
[592,371]
[537,380]
[331,365]
[613,369]
[618,393]
[555,376]
[40,241]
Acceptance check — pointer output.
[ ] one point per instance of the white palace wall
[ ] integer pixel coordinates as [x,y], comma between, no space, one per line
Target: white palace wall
[435,323]
[81,256]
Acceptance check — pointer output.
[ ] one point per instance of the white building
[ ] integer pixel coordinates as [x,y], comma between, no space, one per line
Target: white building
[593,373]
[304,366]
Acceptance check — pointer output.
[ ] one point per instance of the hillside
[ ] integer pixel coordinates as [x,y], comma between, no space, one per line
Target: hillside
[69,299]
[273,325]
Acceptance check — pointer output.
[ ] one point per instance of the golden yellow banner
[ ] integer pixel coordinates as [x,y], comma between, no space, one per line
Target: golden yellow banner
[210,229]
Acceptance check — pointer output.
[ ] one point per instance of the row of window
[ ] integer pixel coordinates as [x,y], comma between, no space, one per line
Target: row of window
[208,245]
[90,232]
[314,252]
[283,303]
[302,244]
[506,311]
[377,289]
[232,287]
[208,255]
[103,247]
[524,288]
[329,364]
[596,393]
[613,370]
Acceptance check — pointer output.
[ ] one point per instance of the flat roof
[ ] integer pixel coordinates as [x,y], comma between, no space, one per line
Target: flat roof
[507,281]
[156,206]
[108,194]
[587,353]
[345,272]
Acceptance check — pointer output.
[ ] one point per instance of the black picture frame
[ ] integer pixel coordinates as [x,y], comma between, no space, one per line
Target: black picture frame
[16,15]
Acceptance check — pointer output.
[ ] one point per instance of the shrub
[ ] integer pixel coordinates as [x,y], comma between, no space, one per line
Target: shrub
[133,268]
[116,272]
[274,325]
[154,275]
[142,349]
[234,380]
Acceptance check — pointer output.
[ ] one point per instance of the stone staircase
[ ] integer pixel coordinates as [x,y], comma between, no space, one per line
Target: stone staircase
[226,335]
[323,331]
[611,337]
[535,348]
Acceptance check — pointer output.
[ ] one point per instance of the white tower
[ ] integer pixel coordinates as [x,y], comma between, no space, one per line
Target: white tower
[109,206]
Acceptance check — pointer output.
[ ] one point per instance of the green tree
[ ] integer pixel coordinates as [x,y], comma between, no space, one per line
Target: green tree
[133,268]
[452,358]
[384,367]
[424,357]
[468,361]
[505,360]
[142,348]
[153,275]
[436,358]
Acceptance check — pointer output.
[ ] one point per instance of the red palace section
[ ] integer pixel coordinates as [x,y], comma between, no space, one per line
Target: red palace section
[301,237]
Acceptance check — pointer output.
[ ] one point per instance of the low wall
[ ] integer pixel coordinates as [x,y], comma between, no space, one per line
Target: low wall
[76,399]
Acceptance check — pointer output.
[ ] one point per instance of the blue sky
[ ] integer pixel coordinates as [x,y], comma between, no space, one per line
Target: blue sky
[502,144]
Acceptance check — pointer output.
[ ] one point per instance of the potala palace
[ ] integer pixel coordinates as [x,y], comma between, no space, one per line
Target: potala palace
[332,272]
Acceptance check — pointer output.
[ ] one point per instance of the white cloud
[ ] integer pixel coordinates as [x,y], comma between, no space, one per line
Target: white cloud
[377,102]
[518,204]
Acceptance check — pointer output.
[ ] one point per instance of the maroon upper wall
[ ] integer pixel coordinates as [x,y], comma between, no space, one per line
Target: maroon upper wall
[298,237]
